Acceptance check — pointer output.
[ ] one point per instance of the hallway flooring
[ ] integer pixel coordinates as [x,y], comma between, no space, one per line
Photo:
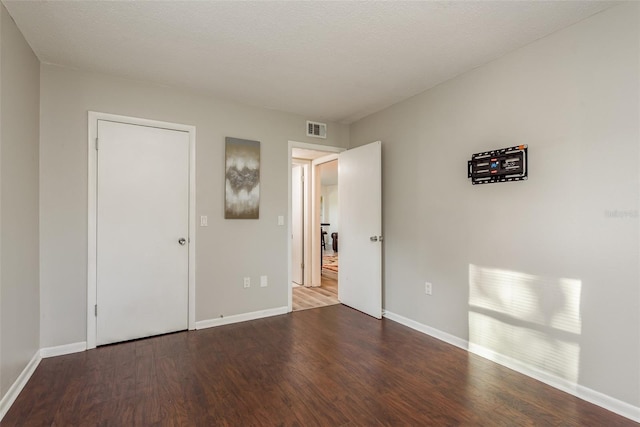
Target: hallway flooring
[313,297]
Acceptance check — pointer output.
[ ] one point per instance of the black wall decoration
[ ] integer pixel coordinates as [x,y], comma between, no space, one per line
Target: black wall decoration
[506,164]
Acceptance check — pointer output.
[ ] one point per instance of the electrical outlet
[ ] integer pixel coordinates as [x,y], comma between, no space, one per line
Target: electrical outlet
[204,221]
[247,282]
[428,288]
[263,281]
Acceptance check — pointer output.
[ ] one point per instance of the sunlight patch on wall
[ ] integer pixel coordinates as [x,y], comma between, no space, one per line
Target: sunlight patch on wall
[532,319]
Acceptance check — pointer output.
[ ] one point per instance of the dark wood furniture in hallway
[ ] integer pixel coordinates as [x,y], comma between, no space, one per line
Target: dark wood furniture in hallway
[331,366]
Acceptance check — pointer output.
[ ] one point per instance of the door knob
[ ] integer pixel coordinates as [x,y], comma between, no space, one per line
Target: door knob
[182,241]
[373,238]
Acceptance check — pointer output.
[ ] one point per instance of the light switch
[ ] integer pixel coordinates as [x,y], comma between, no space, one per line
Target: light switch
[203,221]
[280,220]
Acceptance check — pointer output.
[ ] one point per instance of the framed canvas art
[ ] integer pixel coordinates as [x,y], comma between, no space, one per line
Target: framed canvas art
[242,179]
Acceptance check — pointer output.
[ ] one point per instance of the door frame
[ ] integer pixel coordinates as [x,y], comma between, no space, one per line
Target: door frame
[316,147]
[92,161]
[317,194]
[306,212]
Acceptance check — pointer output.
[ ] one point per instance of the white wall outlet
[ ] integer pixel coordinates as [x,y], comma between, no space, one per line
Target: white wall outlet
[280,220]
[263,281]
[247,282]
[428,288]
[203,221]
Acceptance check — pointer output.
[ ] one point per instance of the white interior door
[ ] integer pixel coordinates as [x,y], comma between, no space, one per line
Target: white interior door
[297,224]
[360,206]
[142,231]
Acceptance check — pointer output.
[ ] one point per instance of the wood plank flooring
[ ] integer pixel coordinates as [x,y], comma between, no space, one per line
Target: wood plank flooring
[314,297]
[331,366]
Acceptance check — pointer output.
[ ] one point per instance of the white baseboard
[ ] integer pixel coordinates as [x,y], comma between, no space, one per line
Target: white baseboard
[612,404]
[61,350]
[428,330]
[607,402]
[202,324]
[18,385]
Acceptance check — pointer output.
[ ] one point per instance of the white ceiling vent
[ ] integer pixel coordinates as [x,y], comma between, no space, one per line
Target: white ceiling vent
[317,130]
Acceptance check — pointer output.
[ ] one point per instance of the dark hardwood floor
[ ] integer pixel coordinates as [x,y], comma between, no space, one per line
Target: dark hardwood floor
[330,366]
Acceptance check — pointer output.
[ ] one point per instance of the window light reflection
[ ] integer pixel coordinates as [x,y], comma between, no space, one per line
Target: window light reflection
[531,319]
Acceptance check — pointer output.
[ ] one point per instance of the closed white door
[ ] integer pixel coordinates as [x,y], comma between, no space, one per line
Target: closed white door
[297,225]
[142,231]
[360,206]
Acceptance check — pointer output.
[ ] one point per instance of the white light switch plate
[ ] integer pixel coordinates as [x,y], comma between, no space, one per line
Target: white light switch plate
[203,221]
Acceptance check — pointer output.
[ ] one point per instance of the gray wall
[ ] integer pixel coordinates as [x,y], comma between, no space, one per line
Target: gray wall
[227,250]
[19,124]
[543,271]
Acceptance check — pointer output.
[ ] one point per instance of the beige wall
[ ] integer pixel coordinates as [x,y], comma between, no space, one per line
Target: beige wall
[227,250]
[543,271]
[19,115]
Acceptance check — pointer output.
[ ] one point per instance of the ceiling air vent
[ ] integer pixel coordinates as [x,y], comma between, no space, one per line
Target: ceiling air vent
[317,130]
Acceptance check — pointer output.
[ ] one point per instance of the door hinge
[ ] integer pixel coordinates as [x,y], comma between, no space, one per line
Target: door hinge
[95,309]
[97,144]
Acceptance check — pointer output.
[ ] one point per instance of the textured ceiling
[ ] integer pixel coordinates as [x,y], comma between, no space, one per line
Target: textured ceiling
[335,61]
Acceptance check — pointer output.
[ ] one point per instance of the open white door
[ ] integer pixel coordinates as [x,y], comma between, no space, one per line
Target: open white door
[360,206]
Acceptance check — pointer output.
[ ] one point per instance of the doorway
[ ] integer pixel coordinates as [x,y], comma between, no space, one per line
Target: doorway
[141,228]
[360,206]
[313,205]
[329,223]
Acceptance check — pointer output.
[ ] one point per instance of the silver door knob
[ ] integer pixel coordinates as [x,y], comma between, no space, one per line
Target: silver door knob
[373,238]
[182,241]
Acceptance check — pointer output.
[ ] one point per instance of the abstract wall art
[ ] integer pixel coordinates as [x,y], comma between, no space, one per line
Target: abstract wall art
[242,179]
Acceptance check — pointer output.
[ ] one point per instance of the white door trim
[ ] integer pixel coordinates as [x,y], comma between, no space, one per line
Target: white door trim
[316,265]
[92,212]
[306,212]
[315,147]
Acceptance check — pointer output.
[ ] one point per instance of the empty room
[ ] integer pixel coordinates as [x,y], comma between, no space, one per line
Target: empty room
[486,198]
